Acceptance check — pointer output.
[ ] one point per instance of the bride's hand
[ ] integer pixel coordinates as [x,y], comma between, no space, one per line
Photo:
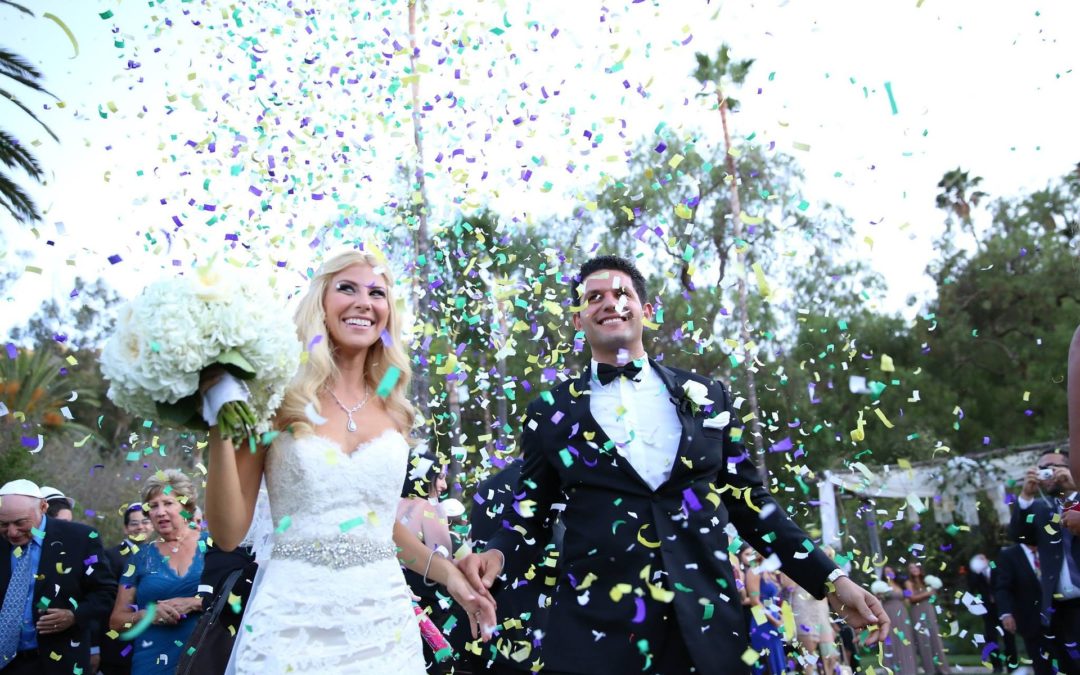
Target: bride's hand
[481,609]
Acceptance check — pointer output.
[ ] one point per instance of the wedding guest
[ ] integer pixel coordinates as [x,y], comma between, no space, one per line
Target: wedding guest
[814,628]
[51,564]
[116,653]
[766,623]
[923,613]
[1048,486]
[1074,405]
[423,515]
[163,585]
[900,646]
[633,450]
[980,579]
[61,507]
[1019,597]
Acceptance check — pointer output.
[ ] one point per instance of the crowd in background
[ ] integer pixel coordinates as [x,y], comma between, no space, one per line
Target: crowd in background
[157,582]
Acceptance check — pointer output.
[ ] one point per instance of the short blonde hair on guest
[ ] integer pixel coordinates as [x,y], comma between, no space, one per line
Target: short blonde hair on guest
[176,483]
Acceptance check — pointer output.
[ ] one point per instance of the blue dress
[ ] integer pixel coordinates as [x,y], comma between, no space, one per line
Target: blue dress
[157,649]
[766,636]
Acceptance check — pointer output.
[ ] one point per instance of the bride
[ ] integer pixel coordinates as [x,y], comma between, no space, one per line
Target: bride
[333,597]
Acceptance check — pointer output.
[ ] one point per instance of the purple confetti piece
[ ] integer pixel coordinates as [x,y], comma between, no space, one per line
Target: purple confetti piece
[691,500]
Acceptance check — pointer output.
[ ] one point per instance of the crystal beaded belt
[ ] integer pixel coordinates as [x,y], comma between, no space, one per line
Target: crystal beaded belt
[336,553]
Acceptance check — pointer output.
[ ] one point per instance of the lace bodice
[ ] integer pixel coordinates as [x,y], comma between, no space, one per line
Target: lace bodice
[317,492]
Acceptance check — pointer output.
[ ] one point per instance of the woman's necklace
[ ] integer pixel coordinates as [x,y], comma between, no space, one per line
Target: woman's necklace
[351,426]
[173,545]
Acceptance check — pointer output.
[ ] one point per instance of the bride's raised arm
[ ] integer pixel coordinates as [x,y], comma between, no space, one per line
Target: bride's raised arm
[232,488]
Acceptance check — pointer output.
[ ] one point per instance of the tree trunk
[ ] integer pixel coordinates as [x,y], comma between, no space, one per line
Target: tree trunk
[421,241]
[743,309]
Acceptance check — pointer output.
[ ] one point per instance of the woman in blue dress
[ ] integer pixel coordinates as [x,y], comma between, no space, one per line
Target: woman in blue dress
[157,592]
[766,638]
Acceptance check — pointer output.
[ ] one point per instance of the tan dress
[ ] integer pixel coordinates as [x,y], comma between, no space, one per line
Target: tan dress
[927,635]
[899,647]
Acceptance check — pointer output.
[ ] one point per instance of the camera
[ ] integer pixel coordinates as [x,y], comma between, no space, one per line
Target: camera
[1045,474]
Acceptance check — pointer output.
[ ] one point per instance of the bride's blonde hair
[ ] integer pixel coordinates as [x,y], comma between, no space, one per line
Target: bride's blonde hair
[319,368]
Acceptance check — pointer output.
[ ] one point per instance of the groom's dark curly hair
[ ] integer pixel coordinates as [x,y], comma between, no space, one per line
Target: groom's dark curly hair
[610,262]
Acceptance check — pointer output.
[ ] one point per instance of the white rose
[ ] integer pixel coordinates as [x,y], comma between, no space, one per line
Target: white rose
[933,582]
[697,393]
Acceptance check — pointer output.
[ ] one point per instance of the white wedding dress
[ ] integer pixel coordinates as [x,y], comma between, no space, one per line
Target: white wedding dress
[332,598]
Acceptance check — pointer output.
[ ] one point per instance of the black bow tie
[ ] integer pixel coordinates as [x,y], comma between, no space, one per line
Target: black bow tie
[606,373]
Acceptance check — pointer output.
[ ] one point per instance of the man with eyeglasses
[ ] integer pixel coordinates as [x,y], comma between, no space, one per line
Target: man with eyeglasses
[1047,496]
[116,655]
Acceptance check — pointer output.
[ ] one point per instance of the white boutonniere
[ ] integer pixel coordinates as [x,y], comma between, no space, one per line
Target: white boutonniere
[692,398]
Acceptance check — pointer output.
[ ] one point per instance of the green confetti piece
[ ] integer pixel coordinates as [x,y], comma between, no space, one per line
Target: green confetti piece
[350,524]
[388,382]
[143,624]
[708,612]
[892,100]
[107,14]
[566,457]
[283,524]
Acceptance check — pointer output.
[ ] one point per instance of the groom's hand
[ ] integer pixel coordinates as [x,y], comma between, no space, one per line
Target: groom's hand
[859,608]
[480,569]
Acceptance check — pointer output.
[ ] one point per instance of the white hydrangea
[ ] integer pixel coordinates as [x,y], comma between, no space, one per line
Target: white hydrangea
[177,327]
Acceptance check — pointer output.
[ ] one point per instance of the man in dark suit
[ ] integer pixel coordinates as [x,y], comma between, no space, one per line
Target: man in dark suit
[56,582]
[650,468]
[521,601]
[981,577]
[1018,592]
[1047,487]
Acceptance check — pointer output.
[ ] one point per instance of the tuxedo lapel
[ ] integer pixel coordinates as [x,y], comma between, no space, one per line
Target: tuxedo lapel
[590,431]
[5,565]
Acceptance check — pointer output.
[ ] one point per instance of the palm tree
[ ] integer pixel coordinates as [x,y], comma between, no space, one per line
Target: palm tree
[13,154]
[718,72]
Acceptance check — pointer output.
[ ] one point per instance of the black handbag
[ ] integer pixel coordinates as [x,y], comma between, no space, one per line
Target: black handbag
[208,649]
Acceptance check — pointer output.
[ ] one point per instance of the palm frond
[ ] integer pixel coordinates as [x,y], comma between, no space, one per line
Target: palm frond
[12,65]
[17,6]
[11,97]
[14,154]
[16,201]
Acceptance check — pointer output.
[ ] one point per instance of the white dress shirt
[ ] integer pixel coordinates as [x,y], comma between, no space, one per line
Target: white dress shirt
[641,419]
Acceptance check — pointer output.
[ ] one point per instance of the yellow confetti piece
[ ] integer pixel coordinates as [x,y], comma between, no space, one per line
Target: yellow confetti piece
[857,434]
[67,31]
[884,420]
[887,363]
[748,219]
[644,542]
[682,211]
[763,285]
[749,657]
[619,590]
[662,594]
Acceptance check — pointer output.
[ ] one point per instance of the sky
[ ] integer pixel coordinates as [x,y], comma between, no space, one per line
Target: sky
[875,100]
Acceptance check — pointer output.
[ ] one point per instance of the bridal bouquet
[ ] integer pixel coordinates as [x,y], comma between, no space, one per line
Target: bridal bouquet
[933,582]
[880,587]
[178,327]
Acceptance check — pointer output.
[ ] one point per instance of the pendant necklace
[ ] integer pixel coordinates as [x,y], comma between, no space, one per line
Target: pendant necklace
[351,426]
[177,542]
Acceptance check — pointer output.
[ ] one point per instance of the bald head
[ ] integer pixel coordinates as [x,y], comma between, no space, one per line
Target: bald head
[19,514]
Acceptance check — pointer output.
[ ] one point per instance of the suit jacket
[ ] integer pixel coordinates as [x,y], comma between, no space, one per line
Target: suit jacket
[519,599]
[984,588]
[1042,515]
[112,649]
[73,574]
[635,558]
[1017,589]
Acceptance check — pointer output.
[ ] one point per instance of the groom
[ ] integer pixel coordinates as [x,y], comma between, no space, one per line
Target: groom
[647,462]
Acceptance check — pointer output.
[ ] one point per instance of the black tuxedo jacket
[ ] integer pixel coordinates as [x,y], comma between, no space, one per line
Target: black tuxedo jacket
[112,648]
[1017,589]
[1051,548]
[635,559]
[73,574]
